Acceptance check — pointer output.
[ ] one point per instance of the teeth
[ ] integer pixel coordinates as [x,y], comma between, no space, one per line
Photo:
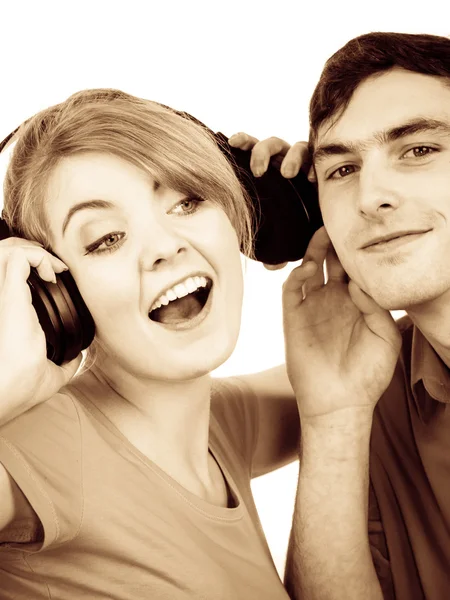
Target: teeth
[191,285]
[180,290]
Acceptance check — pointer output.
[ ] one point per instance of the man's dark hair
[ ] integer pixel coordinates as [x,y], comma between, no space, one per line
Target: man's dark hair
[367,55]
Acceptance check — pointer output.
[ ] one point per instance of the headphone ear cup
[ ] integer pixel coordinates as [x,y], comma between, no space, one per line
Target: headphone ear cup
[287,209]
[63,315]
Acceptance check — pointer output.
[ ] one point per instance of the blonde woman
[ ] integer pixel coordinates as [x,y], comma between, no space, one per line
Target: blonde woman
[131,479]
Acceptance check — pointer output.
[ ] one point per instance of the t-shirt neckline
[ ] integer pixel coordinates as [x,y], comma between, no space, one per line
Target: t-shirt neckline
[93,384]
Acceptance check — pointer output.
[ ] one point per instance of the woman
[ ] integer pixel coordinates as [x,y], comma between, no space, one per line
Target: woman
[131,479]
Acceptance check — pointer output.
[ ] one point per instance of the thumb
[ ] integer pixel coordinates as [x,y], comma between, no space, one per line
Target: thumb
[378,319]
[275,267]
[293,286]
[63,374]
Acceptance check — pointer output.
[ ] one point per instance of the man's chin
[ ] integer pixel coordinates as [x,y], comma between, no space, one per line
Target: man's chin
[395,299]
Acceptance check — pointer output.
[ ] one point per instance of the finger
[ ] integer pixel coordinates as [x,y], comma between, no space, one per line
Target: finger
[242,140]
[317,252]
[378,319]
[294,284]
[297,157]
[44,267]
[14,292]
[333,267]
[263,152]
[69,369]
[275,267]
[312,174]
[16,241]
[363,301]
[57,263]
[45,263]
[59,376]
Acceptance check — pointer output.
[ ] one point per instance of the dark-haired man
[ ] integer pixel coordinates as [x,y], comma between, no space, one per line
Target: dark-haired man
[380,146]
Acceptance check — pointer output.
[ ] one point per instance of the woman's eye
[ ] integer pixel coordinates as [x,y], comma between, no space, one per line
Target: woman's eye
[342,172]
[108,241]
[187,206]
[419,152]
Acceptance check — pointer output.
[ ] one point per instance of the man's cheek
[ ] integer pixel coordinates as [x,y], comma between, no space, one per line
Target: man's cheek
[347,260]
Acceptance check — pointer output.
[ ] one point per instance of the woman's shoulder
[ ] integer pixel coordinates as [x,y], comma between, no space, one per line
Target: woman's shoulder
[53,413]
[234,408]
[40,452]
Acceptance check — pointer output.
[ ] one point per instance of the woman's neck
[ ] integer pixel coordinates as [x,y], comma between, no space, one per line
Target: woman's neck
[168,421]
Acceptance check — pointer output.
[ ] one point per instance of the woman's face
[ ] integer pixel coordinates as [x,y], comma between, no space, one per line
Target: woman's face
[144,245]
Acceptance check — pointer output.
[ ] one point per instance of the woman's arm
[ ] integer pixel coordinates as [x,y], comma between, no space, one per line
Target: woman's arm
[278,420]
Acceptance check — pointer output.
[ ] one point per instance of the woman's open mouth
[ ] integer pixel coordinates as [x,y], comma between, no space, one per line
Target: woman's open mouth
[184,312]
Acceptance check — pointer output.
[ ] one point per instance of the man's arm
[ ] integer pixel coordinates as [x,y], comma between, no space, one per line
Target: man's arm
[341,351]
[329,555]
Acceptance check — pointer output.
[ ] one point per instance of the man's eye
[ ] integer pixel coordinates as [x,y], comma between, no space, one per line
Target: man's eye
[342,172]
[419,152]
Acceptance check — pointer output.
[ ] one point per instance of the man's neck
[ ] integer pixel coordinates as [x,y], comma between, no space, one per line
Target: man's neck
[433,320]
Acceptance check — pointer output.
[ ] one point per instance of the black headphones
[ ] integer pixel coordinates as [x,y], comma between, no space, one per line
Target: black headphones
[288,215]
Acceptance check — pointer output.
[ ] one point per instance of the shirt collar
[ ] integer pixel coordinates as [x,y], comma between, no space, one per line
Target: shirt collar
[426,366]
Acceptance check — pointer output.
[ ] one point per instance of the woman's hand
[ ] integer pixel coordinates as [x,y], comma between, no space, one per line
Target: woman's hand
[341,347]
[27,377]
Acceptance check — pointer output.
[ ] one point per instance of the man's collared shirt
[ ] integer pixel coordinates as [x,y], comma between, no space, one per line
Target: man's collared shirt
[409,500]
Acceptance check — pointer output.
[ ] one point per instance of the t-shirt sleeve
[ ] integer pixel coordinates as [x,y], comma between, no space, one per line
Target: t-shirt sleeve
[236,407]
[41,450]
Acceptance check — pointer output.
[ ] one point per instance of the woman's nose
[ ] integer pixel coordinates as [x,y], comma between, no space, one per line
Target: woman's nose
[163,245]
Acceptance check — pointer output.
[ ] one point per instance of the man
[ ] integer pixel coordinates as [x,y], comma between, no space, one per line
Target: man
[380,148]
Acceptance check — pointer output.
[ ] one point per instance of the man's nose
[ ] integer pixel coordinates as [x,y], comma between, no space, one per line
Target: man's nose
[378,192]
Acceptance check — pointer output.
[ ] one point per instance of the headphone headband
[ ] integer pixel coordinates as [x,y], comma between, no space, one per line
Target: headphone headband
[288,213]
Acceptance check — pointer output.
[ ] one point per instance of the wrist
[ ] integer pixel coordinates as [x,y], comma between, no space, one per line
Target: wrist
[346,419]
[340,436]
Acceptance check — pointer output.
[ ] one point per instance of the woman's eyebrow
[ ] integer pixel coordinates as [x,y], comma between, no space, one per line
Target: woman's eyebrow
[88,204]
[419,125]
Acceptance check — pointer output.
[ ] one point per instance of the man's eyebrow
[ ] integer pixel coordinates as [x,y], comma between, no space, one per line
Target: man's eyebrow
[421,125]
[93,204]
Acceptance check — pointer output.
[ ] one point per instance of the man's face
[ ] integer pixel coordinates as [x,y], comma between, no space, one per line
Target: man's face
[383,171]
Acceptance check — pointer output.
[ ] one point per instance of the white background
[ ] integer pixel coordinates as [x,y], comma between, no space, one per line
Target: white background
[236,65]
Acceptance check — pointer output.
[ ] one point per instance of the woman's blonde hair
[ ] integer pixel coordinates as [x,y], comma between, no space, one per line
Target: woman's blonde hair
[176,151]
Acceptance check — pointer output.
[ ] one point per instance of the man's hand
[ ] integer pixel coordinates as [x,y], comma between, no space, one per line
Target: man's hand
[289,159]
[341,347]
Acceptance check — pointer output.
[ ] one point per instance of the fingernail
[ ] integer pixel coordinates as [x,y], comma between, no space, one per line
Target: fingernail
[288,171]
[258,169]
[234,138]
[54,278]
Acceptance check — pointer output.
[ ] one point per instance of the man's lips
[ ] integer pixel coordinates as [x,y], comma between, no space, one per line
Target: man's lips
[382,239]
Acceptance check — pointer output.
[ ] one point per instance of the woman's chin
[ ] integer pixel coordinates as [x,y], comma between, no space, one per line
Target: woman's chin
[194,367]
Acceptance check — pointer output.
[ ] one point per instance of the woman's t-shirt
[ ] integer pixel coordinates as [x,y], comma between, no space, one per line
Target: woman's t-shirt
[109,524]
